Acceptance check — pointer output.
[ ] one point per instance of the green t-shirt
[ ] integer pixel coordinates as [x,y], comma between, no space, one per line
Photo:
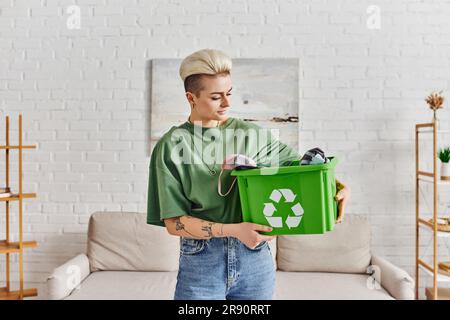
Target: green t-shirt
[181,184]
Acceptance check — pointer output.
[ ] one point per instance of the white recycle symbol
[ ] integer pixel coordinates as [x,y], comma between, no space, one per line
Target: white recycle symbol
[269,209]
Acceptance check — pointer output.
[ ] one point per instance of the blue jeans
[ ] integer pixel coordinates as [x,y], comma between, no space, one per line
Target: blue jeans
[224,268]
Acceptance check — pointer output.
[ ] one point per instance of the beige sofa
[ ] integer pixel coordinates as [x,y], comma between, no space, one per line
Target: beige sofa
[127,258]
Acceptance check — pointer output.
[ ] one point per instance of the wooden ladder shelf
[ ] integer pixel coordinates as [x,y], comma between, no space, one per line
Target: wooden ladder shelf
[8,247]
[432,178]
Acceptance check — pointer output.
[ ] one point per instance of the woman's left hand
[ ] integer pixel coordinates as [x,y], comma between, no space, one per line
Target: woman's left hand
[342,197]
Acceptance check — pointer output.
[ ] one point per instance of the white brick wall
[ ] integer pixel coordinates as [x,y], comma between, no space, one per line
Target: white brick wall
[83,96]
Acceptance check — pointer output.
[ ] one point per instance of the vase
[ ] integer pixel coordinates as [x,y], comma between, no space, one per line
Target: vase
[435,120]
[445,171]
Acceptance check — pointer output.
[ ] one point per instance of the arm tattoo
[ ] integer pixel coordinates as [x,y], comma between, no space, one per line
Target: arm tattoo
[208,229]
[180,226]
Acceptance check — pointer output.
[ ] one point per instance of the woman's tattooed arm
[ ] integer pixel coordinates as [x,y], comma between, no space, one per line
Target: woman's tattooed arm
[191,227]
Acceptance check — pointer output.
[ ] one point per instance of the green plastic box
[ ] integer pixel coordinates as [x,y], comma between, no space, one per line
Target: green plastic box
[295,199]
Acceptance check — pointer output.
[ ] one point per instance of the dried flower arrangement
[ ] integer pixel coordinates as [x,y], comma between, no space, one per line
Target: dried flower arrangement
[435,101]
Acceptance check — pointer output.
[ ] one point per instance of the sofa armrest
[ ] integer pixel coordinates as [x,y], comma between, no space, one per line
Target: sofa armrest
[397,282]
[67,277]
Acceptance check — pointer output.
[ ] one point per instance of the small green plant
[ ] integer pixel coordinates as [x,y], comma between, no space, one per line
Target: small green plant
[444,154]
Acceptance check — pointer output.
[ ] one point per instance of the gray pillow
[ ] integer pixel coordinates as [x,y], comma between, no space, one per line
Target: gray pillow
[346,249]
[124,241]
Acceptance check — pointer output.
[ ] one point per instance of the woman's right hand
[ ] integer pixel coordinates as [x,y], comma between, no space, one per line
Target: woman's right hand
[247,232]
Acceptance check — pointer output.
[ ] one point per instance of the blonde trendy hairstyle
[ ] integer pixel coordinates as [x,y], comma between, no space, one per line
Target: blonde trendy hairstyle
[203,62]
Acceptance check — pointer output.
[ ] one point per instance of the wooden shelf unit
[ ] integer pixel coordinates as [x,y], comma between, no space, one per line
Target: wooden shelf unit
[434,293]
[6,246]
[443,293]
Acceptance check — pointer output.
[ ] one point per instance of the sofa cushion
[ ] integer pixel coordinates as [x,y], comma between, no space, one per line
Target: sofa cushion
[124,241]
[126,285]
[345,249]
[133,285]
[326,286]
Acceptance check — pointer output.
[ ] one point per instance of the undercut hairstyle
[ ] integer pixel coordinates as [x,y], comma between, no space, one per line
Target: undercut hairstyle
[200,64]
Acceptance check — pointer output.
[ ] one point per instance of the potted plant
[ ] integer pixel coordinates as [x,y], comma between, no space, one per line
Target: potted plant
[444,156]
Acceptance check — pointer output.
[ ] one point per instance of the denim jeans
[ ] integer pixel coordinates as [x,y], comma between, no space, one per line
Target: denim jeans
[224,268]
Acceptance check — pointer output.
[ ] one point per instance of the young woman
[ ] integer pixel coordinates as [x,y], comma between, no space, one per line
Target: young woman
[221,257]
